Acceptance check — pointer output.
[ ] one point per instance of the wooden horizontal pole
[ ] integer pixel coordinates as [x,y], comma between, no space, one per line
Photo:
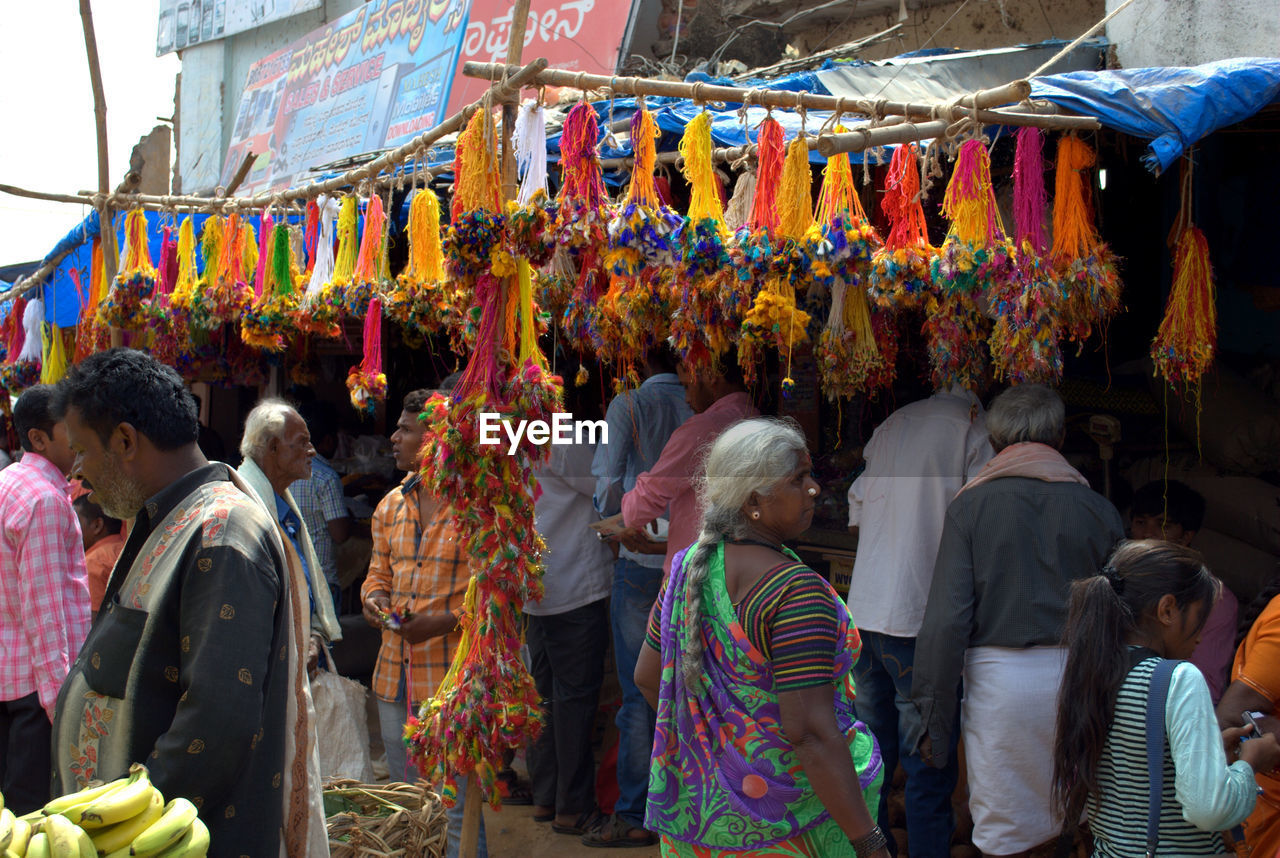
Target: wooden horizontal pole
[705,92]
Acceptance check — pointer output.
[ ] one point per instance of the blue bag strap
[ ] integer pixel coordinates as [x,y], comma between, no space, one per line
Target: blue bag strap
[1156,696]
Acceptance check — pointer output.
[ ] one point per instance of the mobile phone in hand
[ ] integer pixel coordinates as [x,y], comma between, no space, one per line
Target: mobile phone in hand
[1249,720]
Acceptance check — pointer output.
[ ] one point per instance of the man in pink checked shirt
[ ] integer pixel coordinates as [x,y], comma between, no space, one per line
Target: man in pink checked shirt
[44,597]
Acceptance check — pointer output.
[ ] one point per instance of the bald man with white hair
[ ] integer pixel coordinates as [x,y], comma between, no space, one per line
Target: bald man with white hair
[277,452]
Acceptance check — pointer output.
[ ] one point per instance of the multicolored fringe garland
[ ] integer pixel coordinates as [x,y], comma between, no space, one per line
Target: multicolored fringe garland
[752,250]
[21,368]
[230,260]
[268,323]
[900,276]
[702,325]
[487,702]
[849,358]
[315,314]
[633,314]
[581,228]
[366,382]
[1024,340]
[128,304]
[1085,265]
[474,242]
[1184,346]
[975,260]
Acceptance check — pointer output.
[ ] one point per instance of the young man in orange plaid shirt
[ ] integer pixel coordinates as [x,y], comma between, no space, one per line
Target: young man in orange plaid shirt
[418,568]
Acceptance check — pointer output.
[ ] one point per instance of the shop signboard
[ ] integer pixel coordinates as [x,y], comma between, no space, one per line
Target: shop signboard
[582,35]
[189,22]
[372,79]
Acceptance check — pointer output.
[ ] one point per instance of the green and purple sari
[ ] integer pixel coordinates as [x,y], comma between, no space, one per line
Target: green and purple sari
[724,778]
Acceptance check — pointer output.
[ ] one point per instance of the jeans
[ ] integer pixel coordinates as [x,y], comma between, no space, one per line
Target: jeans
[635,589]
[883,675]
[391,718]
[25,749]
[565,660]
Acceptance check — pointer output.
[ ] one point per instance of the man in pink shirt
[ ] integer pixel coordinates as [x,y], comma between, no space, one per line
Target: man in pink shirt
[44,597]
[718,399]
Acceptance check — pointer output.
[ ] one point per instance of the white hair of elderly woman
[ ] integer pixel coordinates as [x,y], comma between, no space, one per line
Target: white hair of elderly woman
[751,456]
[265,422]
[1027,412]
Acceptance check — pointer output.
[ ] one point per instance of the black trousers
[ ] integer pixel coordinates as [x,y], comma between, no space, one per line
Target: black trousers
[26,766]
[567,662]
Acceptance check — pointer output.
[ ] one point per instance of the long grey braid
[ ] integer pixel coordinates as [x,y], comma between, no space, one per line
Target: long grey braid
[751,456]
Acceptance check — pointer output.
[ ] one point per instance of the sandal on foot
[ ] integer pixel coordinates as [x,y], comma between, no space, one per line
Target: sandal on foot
[584,824]
[617,833]
[514,792]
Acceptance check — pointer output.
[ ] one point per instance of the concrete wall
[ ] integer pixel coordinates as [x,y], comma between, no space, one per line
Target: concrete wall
[1190,32]
[213,75]
[976,26]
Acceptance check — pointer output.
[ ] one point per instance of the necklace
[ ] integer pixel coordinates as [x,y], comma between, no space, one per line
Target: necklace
[776,546]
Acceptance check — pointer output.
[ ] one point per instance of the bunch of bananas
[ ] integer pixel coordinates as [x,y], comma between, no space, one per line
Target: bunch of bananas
[127,817]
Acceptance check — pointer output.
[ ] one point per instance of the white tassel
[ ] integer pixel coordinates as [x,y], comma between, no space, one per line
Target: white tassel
[32,317]
[530,141]
[323,271]
[835,321]
[738,212]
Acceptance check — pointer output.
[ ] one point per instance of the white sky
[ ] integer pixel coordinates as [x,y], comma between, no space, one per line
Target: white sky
[50,141]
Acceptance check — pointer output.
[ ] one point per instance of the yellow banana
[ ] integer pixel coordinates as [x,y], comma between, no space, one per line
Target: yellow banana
[119,804]
[165,831]
[64,837]
[9,853]
[39,846]
[120,835]
[66,803]
[7,819]
[194,844]
[34,816]
[22,831]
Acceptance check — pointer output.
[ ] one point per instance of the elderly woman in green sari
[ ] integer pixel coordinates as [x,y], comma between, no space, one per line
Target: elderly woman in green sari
[749,664]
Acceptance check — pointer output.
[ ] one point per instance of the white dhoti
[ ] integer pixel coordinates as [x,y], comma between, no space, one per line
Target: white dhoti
[1008,719]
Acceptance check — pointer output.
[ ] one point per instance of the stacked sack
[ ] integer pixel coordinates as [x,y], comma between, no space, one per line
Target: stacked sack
[127,817]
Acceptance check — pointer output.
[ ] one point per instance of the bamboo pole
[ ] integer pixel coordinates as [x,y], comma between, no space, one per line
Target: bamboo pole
[703,92]
[110,253]
[911,132]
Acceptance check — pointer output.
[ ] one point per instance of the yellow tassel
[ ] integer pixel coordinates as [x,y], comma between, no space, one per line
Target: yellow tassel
[528,328]
[186,282]
[54,363]
[345,265]
[695,148]
[249,261]
[969,201]
[426,260]
[795,201]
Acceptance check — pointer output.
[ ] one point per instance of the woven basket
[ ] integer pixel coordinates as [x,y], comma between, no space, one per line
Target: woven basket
[393,820]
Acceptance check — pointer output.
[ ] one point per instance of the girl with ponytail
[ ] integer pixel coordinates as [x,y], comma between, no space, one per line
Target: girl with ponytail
[749,664]
[1149,603]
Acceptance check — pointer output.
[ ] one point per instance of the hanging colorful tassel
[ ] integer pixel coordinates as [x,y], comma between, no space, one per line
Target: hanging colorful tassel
[900,275]
[1084,264]
[128,304]
[848,355]
[531,215]
[22,365]
[633,314]
[268,324]
[752,250]
[703,325]
[316,314]
[1184,346]
[366,382]
[53,364]
[1024,339]
[91,334]
[974,263]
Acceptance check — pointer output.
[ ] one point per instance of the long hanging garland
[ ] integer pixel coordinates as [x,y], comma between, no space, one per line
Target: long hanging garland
[1024,340]
[1184,346]
[473,244]
[974,262]
[900,276]
[1084,264]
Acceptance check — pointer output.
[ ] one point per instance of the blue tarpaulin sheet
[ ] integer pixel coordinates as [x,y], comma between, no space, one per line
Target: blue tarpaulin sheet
[1171,107]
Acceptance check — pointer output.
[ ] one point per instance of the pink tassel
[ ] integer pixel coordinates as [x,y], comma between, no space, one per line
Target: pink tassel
[1029,198]
[264,242]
